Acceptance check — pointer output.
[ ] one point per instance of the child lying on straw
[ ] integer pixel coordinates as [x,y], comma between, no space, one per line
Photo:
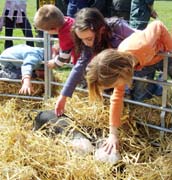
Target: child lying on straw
[114,68]
[32,58]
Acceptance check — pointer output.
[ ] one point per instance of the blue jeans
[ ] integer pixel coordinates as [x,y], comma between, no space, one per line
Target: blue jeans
[75,5]
[144,90]
[11,24]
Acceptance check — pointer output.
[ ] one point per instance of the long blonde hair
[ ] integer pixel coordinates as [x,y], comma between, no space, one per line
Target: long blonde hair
[106,69]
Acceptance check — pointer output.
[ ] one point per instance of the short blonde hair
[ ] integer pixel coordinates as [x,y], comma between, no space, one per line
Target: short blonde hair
[48,17]
[106,69]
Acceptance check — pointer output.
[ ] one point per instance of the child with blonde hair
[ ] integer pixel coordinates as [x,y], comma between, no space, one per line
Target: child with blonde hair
[92,33]
[31,65]
[114,68]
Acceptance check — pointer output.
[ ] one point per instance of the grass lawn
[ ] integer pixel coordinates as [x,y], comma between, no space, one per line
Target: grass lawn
[31,9]
[163,8]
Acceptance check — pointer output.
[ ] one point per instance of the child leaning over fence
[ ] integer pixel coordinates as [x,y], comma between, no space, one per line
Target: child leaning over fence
[31,57]
[50,19]
[92,33]
[114,68]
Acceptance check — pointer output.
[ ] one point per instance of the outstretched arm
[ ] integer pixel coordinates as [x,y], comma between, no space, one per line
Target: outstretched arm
[26,85]
[72,81]
[32,60]
[116,107]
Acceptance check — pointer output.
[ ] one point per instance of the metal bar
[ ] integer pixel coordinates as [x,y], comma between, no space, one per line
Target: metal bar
[14,60]
[11,60]
[45,67]
[22,38]
[148,105]
[36,39]
[125,99]
[19,81]
[21,96]
[47,72]
[164,94]
[163,83]
[154,126]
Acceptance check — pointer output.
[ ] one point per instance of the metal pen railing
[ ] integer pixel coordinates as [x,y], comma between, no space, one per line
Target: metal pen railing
[48,83]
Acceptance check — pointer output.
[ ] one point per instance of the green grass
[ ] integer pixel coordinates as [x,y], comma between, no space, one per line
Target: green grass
[163,8]
[31,9]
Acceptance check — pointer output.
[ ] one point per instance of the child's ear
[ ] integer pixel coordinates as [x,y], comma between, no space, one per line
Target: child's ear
[102,30]
[55,30]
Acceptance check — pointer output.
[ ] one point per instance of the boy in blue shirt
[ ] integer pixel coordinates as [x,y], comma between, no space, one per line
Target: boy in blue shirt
[32,58]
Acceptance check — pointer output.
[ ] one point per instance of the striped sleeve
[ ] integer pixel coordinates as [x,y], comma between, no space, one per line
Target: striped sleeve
[62,57]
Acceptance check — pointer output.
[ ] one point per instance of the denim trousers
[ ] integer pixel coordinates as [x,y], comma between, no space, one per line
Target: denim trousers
[144,90]
[11,24]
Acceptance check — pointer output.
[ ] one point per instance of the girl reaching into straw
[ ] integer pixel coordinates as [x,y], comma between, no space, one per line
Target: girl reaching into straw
[114,68]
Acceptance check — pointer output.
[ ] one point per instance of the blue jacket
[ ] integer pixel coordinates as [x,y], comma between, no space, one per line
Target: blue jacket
[140,13]
[75,5]
[32,57]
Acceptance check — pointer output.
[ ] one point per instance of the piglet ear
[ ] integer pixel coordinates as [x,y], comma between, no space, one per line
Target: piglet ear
[30,113]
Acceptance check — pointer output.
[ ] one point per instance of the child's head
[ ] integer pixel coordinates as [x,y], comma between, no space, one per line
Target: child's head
[49,18]
[108,69]
[90,29]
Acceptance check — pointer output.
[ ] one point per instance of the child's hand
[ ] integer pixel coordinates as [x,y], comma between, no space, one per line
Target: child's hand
[112,143]
[60,105]
[26,86]
[55,50]
[51,64]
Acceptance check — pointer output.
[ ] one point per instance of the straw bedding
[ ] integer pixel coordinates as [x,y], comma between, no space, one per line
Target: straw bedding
[13,88]
[27,155]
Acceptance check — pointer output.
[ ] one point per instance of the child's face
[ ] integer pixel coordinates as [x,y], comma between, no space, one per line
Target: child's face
[86,36]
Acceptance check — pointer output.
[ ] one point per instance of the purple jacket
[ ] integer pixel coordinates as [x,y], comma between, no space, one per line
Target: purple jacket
[120,30]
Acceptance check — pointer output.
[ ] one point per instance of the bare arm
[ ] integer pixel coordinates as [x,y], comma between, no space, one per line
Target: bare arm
[26,85]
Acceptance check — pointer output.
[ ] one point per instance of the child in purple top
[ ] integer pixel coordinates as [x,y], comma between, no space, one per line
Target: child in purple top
[92,34]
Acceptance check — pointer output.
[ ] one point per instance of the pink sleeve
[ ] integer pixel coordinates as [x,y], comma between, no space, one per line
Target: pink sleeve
[116,106]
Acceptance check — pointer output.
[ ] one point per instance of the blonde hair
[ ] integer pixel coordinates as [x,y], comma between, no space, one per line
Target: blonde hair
[106,69]
[48,17]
